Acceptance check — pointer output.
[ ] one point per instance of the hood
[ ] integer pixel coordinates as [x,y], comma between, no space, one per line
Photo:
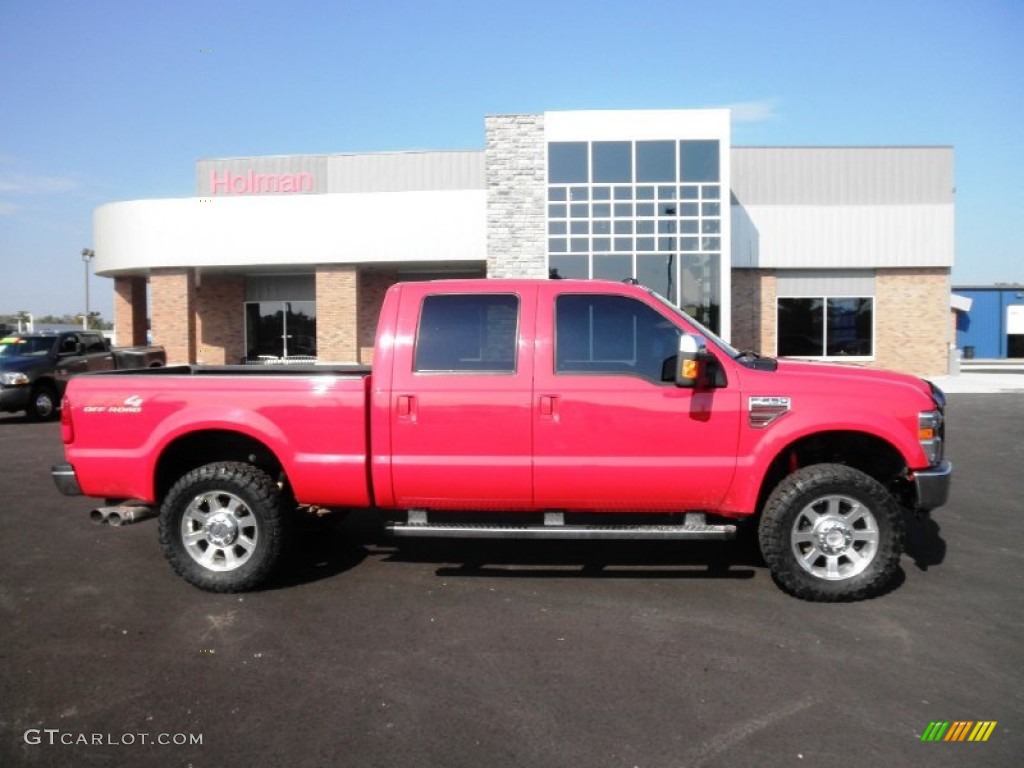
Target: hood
[818,376]
[23,364]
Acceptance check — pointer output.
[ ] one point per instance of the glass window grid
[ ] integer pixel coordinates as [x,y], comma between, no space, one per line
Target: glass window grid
[619,223]
[646,219]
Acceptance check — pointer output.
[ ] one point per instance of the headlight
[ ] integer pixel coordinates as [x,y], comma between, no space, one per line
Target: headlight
[929,433]
[13,379]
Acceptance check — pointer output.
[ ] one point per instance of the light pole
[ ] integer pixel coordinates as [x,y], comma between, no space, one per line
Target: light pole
[87,256]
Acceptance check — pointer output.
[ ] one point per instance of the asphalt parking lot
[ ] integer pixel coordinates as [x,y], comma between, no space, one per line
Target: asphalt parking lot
[457,654]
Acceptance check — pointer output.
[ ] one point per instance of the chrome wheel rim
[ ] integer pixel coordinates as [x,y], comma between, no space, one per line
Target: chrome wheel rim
[834,537]
[219,531]
[43,404]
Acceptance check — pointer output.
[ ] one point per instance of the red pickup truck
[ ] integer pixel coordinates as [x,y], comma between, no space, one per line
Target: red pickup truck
[520,408]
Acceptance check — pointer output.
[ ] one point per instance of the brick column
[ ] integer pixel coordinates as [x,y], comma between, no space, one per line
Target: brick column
[372,287]
[220,319]
[337,313]
[516,178]
[769,314]
[130,311]
[173,316]
[754,295]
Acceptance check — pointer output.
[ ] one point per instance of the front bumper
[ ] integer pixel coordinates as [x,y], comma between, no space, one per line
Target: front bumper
[65,479]
[933,485]
[13,399]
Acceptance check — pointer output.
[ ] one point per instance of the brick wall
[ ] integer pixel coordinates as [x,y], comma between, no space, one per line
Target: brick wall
[131,318]
[912,320]
[220,320]
[753,310]
[173,317]
[912,326]
[372,287]
[337,313]
[516,178]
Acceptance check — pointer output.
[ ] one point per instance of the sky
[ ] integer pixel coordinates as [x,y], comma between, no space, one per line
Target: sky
[115,100]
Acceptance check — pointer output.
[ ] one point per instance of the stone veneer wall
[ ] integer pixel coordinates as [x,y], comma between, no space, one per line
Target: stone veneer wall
[516,174]
[174,315]
[220,319]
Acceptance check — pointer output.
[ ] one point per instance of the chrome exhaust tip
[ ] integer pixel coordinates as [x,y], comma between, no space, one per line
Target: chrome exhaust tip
[100,516]
[126,515]
[121,515]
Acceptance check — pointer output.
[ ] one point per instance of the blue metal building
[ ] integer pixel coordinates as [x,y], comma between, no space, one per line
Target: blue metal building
[993,327]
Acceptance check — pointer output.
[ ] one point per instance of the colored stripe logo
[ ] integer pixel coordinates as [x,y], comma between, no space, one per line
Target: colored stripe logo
[958,730]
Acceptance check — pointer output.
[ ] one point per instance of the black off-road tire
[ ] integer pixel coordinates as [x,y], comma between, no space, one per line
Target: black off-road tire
[224,526]
[831,533]
[43,404]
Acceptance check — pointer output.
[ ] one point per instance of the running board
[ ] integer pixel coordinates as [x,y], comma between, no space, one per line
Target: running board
[693,528]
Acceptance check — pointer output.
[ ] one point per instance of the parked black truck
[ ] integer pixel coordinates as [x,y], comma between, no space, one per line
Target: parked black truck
[35,367]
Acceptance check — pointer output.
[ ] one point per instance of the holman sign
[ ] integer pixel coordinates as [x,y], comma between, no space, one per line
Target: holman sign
[275,175]
[252,183]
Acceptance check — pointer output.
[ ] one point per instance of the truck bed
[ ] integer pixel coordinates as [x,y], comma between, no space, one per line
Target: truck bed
[249,370]
[131,425]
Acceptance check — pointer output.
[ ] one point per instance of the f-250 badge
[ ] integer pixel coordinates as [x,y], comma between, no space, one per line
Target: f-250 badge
[765,410]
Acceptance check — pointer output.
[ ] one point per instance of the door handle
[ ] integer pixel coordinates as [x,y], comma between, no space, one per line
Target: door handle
[549,407]
[406,407]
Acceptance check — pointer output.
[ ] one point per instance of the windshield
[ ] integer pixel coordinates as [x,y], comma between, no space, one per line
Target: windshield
[33,346]
[707,333]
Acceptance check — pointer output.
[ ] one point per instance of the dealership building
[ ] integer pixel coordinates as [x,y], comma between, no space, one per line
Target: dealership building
[825,253]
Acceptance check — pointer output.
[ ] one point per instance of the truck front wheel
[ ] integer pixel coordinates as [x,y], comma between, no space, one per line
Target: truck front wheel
[222,527]
[831,533]
[42,403]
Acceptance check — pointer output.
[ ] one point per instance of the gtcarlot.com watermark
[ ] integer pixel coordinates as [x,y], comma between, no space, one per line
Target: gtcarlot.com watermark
[55,737]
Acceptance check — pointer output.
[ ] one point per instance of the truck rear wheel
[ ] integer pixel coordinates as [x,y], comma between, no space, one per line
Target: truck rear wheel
[223,526]
[831,533]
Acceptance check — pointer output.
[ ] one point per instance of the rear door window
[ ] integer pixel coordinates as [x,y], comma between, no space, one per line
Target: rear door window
[471,333]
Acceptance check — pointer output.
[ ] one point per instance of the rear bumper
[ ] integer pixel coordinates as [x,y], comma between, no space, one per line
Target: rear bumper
[65,479]
[933,485]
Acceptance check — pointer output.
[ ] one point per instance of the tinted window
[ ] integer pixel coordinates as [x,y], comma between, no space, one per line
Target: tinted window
[468,333]
[613,266]
[93,344]
[613,161]
[801,327]
[850,327]
[613,335]
[655,161]
[69,344]
[568,266]
[567,161]
[32,346]
[826,327]
[698,160]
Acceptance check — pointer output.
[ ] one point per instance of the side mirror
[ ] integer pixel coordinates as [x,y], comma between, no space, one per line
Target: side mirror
[690,362]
